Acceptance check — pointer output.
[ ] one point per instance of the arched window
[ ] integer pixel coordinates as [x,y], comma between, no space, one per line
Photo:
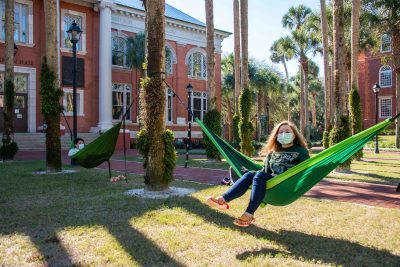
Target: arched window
[385,76]
[197,65]
[169,67]
[386,43]
[119,50]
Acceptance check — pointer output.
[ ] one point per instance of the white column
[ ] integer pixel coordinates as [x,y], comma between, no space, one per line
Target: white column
[105,67]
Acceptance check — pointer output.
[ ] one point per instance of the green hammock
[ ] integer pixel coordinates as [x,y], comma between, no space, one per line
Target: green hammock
[285,188]
[99,150]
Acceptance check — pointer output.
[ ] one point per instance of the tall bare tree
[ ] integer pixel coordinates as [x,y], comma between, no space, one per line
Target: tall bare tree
[355,42]
[244,34]
[327,75]
[236,33]
[153,116]
[52,119]
[211,94]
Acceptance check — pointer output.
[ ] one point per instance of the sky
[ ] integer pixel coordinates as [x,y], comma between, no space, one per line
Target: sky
[265,24]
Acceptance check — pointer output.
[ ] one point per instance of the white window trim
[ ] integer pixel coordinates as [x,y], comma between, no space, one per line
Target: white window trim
[169,122]
[202,97]
[83,36]
[188,54]
[124,108]
[391,106]
[391,73]
[390,50]
[173,58]
[81,102]
[124,36]
[29,42]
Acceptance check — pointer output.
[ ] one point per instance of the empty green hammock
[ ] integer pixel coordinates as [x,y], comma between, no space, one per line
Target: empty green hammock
[287,187]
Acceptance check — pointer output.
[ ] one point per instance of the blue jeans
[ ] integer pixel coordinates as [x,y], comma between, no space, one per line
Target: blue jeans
[258,181]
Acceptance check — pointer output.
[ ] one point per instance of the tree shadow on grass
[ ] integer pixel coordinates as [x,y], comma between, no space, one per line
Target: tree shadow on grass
[110,209]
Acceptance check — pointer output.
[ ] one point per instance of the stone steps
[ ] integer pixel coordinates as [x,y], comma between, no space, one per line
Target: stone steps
[37,141]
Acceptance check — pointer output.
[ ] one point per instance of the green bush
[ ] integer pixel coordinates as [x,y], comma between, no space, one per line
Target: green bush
[325,139]
[388,132]
[8,151]
[246,128]
[355,116]
[338,134]
[236,134]
[212,119]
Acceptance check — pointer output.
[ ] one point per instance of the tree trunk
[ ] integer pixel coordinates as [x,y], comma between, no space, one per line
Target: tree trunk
[53,144]
[9,92]
[286,70]
[154,96]
[244,38]
[210,55]
[355,42]
[339,60]
[302,112]
[230,119]
[236,23]
[327,75]
[304,64]
[260,104]
[396,60]
[314,110]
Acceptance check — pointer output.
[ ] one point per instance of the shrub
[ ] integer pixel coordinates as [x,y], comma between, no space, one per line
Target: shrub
[355,115]
[338,134]
[8,151]
[213,120]
[236,135]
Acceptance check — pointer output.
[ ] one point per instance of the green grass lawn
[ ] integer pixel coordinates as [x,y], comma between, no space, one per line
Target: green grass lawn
[83,220]
[384,141]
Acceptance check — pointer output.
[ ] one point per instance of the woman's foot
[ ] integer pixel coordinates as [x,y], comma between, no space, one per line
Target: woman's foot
[218,202]
[245,220]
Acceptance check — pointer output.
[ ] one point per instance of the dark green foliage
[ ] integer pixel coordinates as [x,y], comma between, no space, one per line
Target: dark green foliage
[8,151]
[246,128]
[325,139]
[236,135]
[170,157]
[49,91]
[143,145]
[338,134]
[135,51]
[212,119]
[355,116]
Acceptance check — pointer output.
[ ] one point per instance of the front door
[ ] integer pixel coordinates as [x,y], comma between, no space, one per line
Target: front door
[20,112]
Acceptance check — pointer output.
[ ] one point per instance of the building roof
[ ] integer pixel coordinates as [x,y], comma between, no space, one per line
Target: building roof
[170,11]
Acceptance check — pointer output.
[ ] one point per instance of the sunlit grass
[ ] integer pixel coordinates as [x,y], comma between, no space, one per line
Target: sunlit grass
[83,220]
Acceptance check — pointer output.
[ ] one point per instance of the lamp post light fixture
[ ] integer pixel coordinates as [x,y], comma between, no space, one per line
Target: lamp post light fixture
[189,90]
[376,89]
[74,35]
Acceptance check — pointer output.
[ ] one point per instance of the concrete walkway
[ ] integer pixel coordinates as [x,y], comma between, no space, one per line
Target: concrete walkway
[355,192]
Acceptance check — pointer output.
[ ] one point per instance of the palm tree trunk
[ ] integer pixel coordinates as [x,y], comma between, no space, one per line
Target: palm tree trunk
[355,42]
[154,96]
[210,56]
[327,75]
[244,38]
[305,99]
[287,84]
[230,119]
[314,110]
[302,112]
[53,144]
[9,74]
[236,23]
[396,59]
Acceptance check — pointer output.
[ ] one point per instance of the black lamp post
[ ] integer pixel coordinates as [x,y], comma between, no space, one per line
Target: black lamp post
[189,89]
[74,35]
[376,89]
[15,49]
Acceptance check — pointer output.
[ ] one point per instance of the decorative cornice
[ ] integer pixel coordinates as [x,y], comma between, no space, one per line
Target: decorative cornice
[102,4]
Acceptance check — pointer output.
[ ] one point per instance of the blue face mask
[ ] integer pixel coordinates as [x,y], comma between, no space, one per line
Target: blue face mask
[285,138]
[81,146]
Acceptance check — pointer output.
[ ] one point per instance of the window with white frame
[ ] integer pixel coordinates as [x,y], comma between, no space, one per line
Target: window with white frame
[119,50]
[386,43]
[169,98]
[68,102]
[67,18]
[385,76]
[169,67]
[199,105]
[197,65]
[385,107]
[22,12]
[121,99]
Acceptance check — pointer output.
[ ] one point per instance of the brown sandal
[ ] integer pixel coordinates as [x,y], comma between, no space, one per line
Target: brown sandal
[244,221]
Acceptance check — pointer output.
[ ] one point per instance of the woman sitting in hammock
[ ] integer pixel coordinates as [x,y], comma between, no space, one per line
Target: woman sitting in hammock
[285,148]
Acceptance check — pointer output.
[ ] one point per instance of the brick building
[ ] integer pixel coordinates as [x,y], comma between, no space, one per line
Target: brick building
[106,85]
[372,71]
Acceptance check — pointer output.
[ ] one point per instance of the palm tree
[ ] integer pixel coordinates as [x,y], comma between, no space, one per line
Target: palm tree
[9,76]
[154,97]
[384,16]
[52,119]
[355,42]
[296,17]
[228,92]
[236,23]
[244,34]
[210,56]
[327,82]
[280,53]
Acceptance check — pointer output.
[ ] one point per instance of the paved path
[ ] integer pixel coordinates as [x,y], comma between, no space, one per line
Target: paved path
[355,192]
